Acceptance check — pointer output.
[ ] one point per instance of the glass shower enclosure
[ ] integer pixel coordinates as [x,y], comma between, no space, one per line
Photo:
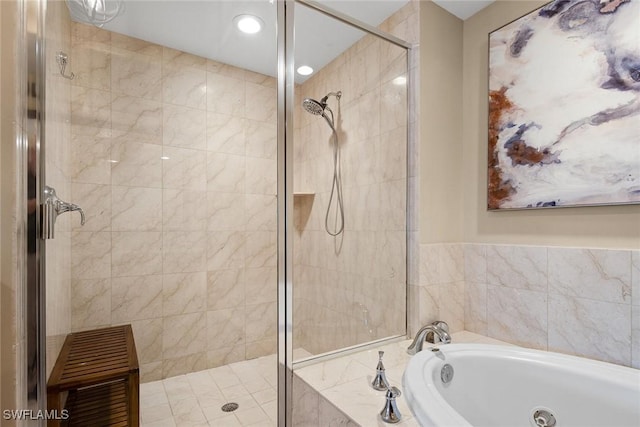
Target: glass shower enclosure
[236,209]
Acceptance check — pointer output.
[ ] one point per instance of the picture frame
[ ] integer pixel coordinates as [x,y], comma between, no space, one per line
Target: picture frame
[564,107]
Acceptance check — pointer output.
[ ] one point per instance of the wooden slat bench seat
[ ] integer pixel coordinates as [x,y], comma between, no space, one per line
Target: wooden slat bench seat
[96,378]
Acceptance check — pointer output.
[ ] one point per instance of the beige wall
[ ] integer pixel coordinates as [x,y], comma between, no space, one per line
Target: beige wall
[605,227]
[441,186]
[174,161]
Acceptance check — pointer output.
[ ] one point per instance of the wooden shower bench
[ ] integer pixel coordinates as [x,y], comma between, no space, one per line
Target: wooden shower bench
[96,379]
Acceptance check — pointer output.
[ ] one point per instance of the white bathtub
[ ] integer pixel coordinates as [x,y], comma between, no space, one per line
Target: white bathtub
[496,386]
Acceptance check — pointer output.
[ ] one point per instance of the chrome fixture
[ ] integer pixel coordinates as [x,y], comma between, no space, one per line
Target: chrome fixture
[390,413]
[51,208]
[380,381]
[446,373]
[95,12]
[63,59]
[318,108]
[437,328]
[544,418]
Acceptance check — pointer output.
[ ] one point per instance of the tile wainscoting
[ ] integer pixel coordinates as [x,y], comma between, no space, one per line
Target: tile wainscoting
[580,301]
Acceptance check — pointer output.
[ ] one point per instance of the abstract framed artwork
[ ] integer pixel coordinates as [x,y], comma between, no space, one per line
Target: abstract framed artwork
[564,106]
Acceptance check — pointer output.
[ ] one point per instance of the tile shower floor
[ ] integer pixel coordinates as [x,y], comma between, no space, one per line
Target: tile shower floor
[196,399]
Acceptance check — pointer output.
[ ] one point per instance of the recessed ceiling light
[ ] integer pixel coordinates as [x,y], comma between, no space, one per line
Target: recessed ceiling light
[400,81]
[305,70]
[248,23]
[164,158]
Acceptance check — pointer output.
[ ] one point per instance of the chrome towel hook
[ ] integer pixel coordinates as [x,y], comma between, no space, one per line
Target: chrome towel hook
[63,59]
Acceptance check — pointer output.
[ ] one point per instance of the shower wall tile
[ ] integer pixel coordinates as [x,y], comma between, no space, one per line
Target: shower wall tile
[392,154]
[603,275]
[183,85]
[260,139]
[261,285]
[184,293]
[226,289]
[261,348]
[225,211]
[225,328]
[183,168]
[136,298]
[261,212]
[148,337]
[222,69]
[91,303]
[261,250]
[83,34]
[92,66]
[91,255]
[260,103]
[184,251]
[595,329]
[160,142]
[136,74]
[120,41]
[136,253]
[225,95]
[136,209]
[183,210]
[95,200]
[226,134]
[184,335]
[225,173]
[225,249]
[260,319]
[90,108]
[135,164]
[176,58]
[140,119]
[517,267]
[184,127]
[225,356]
[90,159]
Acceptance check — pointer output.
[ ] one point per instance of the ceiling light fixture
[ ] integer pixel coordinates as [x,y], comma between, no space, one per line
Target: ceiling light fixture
[248,24]
[399,81]
[305,70]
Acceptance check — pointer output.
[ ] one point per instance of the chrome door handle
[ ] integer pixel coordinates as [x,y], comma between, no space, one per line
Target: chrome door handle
[51,208]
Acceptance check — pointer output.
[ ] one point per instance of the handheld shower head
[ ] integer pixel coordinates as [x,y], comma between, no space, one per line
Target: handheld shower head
[317,108]
[314,107]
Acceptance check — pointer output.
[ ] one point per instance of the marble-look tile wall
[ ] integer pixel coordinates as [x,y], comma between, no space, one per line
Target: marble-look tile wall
[57,157]
[174,161]
[352,288]
[581,301]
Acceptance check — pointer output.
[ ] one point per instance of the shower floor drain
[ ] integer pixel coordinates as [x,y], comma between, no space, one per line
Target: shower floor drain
[229,407]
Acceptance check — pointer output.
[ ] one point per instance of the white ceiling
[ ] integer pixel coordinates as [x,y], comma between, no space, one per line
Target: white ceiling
[205,28]
[463,9]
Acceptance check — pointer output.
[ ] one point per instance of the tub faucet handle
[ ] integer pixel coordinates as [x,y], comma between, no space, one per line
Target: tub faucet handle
[380,381]
[390,413]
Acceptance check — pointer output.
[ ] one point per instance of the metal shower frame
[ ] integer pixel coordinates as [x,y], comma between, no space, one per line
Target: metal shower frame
[285,101]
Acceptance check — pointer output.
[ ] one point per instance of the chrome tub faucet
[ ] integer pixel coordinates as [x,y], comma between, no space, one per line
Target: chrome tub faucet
[437,328]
